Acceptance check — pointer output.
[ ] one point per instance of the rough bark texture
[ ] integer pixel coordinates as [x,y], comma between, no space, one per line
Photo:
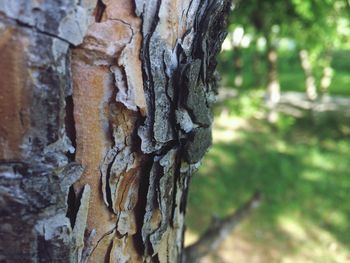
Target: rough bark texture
[105,113]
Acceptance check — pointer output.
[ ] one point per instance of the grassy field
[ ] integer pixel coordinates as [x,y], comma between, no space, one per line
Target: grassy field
[302,168]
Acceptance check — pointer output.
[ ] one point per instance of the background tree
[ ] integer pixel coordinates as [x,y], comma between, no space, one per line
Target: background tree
[236,39]
[315,31]
[266,18]
[105,115]
[315,27]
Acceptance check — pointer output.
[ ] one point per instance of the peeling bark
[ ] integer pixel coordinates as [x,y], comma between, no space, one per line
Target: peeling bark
[106,114]
[36,168]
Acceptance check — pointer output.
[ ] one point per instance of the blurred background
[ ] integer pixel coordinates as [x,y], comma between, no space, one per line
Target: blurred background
[281,126]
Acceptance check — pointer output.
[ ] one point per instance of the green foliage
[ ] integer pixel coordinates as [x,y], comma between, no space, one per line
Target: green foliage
[318,26]
[341,59]
[247,105]
[291,75]
[284,124]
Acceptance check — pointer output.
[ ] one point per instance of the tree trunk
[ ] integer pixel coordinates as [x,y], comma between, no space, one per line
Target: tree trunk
[256,65]
[310,82]
[327,74]
[238,65]
[273,85]
[326,80]
[105,111]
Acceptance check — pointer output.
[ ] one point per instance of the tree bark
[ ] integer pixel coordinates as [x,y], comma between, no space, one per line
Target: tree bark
[105,111]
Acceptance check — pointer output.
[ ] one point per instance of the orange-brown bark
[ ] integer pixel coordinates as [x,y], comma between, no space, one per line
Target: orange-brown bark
[14,95]
[108,95]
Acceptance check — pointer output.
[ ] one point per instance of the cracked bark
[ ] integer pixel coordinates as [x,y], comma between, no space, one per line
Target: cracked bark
[105,111]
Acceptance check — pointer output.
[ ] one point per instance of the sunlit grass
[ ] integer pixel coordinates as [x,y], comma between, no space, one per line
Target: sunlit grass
[302,169]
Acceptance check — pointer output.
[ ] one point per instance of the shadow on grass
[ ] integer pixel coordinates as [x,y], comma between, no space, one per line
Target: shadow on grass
[303,173]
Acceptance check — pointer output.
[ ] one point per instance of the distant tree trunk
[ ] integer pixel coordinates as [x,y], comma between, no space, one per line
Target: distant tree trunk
[105,115]
[238,66]
[273,85]
[256,66]
[310,83]
[327,74]
[236,38]
[326,80]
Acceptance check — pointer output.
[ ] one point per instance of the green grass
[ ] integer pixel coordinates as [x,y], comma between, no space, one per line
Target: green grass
[301,167]
[340,84]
